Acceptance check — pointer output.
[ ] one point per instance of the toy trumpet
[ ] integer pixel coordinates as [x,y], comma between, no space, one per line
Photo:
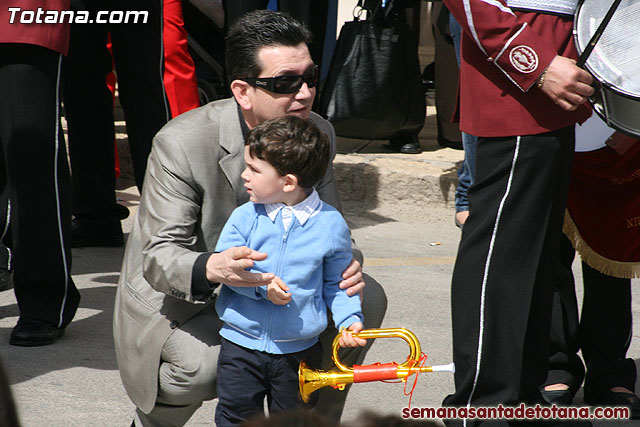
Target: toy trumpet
[311,380]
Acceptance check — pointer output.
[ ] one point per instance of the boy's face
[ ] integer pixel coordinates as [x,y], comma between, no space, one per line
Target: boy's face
[262,181]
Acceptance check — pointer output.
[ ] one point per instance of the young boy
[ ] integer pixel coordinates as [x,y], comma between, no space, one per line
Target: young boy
[268,330]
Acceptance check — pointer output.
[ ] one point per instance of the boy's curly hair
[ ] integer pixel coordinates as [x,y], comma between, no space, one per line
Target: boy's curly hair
[292,145]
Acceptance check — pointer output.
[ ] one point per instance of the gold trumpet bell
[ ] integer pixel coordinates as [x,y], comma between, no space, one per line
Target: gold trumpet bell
[311,380]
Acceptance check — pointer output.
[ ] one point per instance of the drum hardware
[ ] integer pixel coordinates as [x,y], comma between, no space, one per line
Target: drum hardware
[608,40]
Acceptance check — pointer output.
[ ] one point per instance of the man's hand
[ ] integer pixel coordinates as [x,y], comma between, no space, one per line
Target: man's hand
[277,292]
[567,84]
[352,279]
[229,266]
[348,340]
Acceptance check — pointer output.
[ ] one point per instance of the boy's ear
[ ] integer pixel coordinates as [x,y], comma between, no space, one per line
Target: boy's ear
[239,89]
[290,182]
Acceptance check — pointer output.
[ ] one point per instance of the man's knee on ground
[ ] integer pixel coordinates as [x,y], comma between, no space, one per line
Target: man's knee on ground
[193,381]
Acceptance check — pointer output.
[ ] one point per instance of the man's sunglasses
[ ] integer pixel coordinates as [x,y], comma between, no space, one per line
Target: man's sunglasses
[285,84]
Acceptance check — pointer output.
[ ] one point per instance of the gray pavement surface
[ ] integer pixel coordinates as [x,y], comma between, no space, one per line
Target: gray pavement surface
[401,211]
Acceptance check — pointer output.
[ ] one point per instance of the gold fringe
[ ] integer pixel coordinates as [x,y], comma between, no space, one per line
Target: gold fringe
[623,270]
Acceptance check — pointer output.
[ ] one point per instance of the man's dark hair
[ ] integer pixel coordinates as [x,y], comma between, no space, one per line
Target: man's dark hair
[256,30]
[292,145]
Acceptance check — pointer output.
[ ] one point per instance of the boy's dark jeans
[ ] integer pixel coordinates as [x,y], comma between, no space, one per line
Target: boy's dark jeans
[246,377]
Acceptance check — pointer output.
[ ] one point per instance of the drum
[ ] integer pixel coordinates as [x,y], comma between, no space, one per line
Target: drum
[614,62]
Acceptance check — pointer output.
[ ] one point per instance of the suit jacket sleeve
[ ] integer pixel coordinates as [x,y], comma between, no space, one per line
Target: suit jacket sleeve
[169,212]
[504,38]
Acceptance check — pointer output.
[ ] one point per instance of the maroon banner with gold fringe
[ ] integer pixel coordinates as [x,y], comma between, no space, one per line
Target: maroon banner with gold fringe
[603,208]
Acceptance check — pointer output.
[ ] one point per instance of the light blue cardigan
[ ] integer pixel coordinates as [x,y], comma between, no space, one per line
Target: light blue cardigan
[310,260]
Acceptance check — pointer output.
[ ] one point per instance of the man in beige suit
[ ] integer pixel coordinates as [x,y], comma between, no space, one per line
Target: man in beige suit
[165,325]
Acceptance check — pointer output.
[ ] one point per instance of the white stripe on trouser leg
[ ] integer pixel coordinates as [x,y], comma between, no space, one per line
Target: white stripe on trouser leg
[4,233]
[56,184]
[486,275]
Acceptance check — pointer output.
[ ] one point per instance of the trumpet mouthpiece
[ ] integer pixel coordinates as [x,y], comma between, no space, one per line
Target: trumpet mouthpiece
[444,368]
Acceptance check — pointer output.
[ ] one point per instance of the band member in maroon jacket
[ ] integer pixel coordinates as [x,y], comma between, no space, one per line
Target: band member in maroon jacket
[34,174]
[521,93]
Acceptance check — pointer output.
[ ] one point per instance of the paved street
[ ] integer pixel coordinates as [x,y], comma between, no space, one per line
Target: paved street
[409,249]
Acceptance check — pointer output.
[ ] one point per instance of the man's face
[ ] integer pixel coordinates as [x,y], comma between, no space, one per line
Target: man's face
[281,61]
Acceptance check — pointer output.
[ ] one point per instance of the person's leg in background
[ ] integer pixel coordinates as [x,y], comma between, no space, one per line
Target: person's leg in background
[407,143]
[566,370]
[88,108]
[605,334]
[446,68]
[139,57]
[38,183]
[467,170]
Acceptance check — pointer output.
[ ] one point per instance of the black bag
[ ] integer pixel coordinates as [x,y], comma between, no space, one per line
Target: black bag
[374,87]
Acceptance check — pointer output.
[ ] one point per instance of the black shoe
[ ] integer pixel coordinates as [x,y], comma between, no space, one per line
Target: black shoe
[5,280]
[445,143]
[557,397]
[33,333]
[406,144]
[103,234]
[613,398]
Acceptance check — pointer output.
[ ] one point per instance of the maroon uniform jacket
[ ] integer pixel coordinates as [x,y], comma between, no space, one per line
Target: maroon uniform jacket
[54,36]
[504,52]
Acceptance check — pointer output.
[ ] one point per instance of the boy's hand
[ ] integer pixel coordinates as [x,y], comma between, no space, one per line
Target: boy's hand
[348,340]
[277,292]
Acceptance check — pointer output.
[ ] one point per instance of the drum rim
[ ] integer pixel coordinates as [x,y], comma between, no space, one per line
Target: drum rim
[601,80]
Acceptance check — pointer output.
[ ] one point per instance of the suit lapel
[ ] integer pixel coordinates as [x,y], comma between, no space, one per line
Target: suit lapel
[232,141]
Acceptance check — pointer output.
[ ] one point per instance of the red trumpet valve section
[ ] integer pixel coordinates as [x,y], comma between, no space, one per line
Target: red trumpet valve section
[375,372]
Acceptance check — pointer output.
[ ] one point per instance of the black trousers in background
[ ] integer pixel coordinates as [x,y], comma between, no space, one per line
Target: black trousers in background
[502,283]
[88,105]
[246,377]
[604,332]
[565,366]
[34,184]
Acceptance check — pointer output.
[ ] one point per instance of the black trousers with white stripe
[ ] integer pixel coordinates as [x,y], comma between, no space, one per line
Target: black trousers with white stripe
[88,104]
[503,278]
[35,184]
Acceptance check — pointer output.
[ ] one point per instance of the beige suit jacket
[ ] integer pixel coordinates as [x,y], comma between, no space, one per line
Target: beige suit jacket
[191,186]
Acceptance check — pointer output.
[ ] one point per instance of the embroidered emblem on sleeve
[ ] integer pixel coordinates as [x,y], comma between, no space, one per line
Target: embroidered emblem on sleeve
[524,59]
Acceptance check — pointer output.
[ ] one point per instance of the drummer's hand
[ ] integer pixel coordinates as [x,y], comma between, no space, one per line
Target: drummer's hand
[567,84]
[348,340]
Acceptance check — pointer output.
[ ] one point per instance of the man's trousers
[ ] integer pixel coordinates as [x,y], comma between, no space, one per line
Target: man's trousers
[503,278]
[35,199]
